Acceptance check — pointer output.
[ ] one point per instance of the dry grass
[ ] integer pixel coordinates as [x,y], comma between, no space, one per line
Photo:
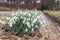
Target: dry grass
[6,9]
[3,16]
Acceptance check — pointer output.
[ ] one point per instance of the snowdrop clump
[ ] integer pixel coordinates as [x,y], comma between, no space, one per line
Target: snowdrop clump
[24,21]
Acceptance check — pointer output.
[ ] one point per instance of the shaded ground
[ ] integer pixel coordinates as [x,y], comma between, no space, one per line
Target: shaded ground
[47,32]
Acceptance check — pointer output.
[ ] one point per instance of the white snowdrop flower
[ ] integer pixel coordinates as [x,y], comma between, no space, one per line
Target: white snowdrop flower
[41,22]
[24,21]
[29,15]
[10,25]
[20,12]
[25,13]
[12,19]
[15,18]
[16,13]
[37,17]
[36,26]
[34,20]
[26,30]
[32,29]
[8,18]
[13,22]
[28,19]
[28,24]
[32,25]
[9,22]
[24,18]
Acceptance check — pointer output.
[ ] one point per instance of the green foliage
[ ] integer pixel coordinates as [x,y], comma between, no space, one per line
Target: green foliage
[24,22]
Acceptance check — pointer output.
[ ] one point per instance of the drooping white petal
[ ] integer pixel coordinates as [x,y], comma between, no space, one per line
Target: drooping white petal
[26,30]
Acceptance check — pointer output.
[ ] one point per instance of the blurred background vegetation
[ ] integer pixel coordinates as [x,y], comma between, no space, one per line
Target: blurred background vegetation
[30,4]
[52,6]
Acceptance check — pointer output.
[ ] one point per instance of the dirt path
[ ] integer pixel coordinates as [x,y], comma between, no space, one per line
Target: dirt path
[47,32]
